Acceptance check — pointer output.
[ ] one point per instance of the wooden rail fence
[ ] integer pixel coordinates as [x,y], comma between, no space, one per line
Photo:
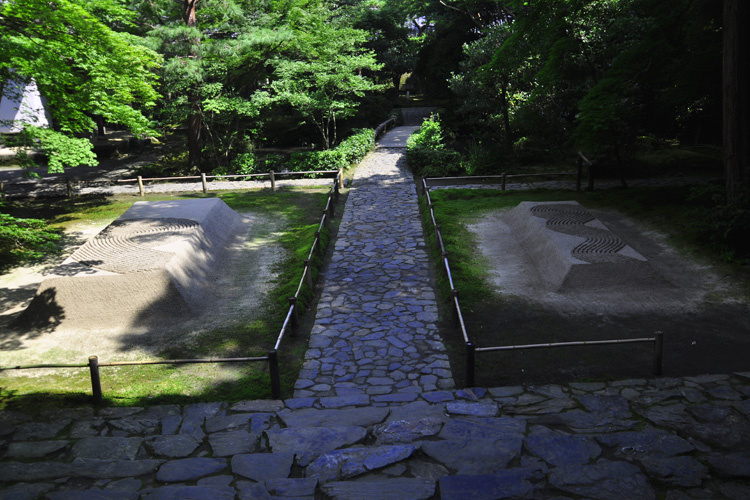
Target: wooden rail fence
[290,323]
[470,348]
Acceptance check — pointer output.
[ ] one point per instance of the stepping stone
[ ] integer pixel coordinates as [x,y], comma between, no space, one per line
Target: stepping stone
[263,466]
[391,489]
[604,480]
[189,469]
[351,462]
[308,443]
[511,483]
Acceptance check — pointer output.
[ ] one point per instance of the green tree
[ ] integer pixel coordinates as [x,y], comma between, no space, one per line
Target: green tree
[82,67]
[326,74]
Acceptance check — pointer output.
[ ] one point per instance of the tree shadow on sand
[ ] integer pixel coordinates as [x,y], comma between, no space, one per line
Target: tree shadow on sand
[47,315]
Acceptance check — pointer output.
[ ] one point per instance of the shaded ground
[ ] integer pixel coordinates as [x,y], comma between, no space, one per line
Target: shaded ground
[705,323]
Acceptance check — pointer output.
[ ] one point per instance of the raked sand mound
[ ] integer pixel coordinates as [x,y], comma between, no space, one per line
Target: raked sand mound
[573,250]
[579,261]
[154,264]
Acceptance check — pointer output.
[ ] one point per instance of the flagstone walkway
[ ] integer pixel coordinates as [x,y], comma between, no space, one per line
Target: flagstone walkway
[375,331]
[376,417]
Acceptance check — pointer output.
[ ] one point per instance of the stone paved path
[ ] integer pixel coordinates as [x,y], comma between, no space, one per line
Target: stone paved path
[668,438]
[375,331]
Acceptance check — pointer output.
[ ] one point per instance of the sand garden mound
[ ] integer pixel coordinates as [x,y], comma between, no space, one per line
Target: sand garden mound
[573,251]
[155,264]
[561,254]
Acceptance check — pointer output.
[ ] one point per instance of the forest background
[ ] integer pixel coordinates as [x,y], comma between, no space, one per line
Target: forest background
[642,85]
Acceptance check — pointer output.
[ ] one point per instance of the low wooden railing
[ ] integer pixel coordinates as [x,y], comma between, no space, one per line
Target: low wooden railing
[470,348]
[290,323]
[271,176]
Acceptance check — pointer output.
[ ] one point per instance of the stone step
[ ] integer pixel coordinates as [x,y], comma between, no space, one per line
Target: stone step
[679,437]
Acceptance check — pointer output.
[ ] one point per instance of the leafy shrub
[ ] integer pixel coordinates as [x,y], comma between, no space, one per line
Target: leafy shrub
[428,155]
[244,163]
[357,145]
[299,161]
[172,165]
[272,162]
[350,151]
[24,239]
[723,226]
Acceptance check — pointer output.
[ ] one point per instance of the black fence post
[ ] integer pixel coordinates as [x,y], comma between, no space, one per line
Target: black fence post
[273,371]
[503,178]
[658,351]
[96,384]
[470,355]
[318,246]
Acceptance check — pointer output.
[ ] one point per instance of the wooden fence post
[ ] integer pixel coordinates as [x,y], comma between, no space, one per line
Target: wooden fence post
[579,174]
[273,179]
[140,186]
[470,358]
[295,314]
[273,371]
[203,183]
[502,181]
[308,274]
[658,352]
[96,384]
[318,245]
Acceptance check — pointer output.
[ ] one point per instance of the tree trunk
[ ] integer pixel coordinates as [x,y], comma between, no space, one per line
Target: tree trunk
[736,68]
[194,120]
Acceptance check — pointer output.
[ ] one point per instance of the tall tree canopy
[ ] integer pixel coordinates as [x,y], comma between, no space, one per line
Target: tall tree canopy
[326,73]
[592,74]
[82,66]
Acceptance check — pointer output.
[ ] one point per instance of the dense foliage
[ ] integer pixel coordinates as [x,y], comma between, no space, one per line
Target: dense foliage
[83,68]
[519,83]
[427,153]
[24,239]
[535,81]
